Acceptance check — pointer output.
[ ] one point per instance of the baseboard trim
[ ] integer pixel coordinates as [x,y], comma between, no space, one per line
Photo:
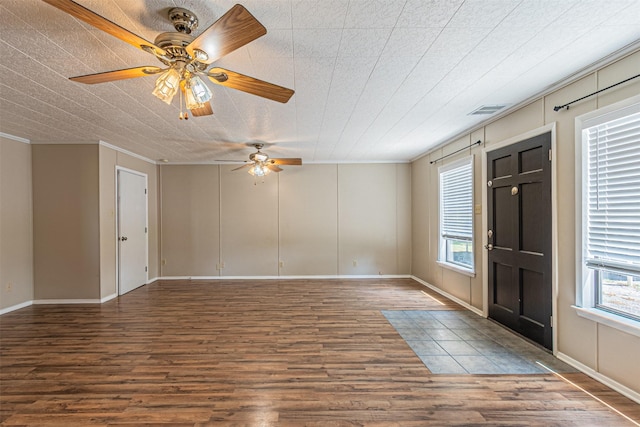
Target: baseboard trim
[16,307]
[108,298]
[150,281]
[66,301]
[449,296]
[622,389]
[363,276]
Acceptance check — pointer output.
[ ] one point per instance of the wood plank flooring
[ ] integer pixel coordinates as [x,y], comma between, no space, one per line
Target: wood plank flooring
[261,353]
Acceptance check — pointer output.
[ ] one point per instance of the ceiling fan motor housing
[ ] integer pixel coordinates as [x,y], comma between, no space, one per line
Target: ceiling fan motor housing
[183,20]
[258,157]
[174,44]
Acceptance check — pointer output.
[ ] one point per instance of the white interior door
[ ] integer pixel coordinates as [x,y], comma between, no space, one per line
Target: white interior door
[132,230]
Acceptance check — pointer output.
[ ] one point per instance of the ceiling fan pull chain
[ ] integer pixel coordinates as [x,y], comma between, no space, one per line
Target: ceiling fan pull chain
[186,110]
[185,114]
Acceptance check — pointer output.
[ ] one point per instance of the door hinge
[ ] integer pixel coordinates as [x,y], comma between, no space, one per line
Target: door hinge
[145,191]
[145,268]
[145,229]
[551,320]
[549,154]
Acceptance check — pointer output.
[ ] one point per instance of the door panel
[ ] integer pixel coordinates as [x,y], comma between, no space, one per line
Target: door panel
[519,216]
[501,225]
[501,167]
[532,281]
[504,295]
[533,221]
[531,160]
[132,231]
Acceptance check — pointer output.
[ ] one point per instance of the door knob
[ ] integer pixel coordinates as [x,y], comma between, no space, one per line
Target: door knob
[488,247]
[123,238]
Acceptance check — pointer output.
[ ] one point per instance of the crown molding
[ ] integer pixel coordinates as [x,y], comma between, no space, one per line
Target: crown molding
[127,152]
[14,138]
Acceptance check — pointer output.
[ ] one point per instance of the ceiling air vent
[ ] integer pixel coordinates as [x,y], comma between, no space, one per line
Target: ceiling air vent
[486,109]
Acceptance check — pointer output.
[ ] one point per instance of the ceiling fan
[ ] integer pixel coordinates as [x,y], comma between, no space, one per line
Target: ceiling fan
[187,57]
[260,163]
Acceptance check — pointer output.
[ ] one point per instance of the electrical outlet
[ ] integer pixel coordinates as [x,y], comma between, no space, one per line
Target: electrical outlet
[355,263]
[164,262]
[477,209]
[281,264]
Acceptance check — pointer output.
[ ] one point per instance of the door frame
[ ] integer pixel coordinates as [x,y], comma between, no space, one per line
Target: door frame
[146,235]
[551,127]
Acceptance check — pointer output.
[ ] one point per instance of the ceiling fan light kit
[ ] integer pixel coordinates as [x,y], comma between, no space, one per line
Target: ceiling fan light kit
[186,57]
[167,85]
[260,164]
[259,169]
[196,93]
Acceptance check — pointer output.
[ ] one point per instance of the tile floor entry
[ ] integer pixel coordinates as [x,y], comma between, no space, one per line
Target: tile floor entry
[461,342]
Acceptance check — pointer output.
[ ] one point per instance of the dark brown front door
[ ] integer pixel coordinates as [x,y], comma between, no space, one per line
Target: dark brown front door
[519,236]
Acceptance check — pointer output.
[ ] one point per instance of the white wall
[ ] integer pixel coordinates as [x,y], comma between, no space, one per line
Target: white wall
[190,203]
[108,159]
[602,351]
[314,220]
[66,231]
[308,220]
[16,224]
[57,221]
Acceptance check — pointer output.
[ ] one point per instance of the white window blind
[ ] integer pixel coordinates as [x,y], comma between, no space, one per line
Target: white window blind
[456,190]
[613,195]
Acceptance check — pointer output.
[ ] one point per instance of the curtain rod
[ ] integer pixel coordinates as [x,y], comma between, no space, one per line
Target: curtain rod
[456,152]
[559,107]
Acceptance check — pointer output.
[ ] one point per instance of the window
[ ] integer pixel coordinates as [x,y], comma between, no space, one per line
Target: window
[610,181]
[456,215]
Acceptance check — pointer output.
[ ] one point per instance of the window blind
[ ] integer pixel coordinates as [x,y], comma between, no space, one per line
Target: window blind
[613,200]
[456,192]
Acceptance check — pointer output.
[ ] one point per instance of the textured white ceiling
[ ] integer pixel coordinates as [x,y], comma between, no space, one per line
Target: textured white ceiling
[375,80]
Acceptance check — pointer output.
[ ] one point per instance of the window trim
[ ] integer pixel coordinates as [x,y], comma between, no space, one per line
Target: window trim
[456,268]
[585,298]
[607,318]
[441,246]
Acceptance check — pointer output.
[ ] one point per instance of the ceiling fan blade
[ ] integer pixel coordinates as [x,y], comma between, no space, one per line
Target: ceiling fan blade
[231,31]
[274,167]
[250,85]
[110,76]
[101,23]
[243,166]
[289,161]
[205,110]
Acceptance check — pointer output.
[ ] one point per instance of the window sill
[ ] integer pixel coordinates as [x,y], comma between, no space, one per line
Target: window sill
[457,269]
[609,319]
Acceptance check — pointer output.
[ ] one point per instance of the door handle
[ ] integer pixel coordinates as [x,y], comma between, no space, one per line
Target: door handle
[488,247]
[123,238]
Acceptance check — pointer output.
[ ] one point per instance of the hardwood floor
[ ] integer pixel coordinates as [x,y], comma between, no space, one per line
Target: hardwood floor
[262,353]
